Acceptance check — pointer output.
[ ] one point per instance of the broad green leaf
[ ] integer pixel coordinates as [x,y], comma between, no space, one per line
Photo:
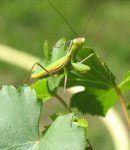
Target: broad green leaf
[99,94]
[45,88]
[19,125]
[58,50]
[19,118]
[64,134]
[41,89]
[95,104]
[54,83]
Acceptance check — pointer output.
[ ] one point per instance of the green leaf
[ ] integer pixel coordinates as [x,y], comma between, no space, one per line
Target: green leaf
[41,89]
[99,94]
[124,85]
[95,104]
[54,83]
[46,51]
[19,118]
[64,134]
[45,88]
[58,50]
[19,124]
[83,123]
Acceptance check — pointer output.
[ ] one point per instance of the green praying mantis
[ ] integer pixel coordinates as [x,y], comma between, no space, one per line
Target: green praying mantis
[75,45]
[61,63]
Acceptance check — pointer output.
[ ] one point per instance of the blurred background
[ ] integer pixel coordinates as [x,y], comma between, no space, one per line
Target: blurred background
[25,25]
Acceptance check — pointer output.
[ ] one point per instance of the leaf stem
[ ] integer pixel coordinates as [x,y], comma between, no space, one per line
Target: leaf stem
[121,100]
[63,102]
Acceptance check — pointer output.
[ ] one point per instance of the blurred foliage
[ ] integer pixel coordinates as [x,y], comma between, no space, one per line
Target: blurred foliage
[25,25]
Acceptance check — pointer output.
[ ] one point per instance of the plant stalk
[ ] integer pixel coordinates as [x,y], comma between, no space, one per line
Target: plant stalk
[90,146]
[121,100]
[63,102]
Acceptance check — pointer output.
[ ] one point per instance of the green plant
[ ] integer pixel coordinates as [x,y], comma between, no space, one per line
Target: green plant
[20,108]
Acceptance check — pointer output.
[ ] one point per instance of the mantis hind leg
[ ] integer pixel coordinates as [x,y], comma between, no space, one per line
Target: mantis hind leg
[64,89]
[29,74]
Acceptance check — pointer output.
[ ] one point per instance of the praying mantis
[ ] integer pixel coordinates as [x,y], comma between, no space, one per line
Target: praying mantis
[61,62]
[75,44]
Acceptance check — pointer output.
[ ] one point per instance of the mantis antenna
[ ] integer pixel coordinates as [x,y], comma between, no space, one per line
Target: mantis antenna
[85,26]
[64,19]
[68,24]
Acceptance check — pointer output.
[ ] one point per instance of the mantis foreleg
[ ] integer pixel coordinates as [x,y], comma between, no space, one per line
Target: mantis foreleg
[79,66]
[64,88]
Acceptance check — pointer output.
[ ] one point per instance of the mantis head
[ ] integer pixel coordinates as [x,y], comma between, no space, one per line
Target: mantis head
[78,42]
